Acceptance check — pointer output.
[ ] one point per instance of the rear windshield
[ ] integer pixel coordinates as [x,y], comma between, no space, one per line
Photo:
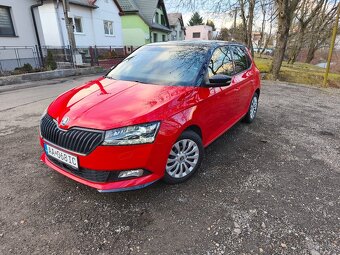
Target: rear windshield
[164,65]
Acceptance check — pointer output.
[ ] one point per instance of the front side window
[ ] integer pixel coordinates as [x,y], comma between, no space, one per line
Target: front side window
[6,24]
[164,65]
[240,59]
[196,35]
[221,62]
[108,27]
[78,28]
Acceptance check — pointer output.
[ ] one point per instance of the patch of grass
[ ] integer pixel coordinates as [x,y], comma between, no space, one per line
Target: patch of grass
[263,64]
[298,73]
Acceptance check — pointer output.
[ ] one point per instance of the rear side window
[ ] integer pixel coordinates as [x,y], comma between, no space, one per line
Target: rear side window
[242,60]
[249,60]
[221,62]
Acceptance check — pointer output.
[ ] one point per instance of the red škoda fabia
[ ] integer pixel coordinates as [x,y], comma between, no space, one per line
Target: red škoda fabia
[151,116]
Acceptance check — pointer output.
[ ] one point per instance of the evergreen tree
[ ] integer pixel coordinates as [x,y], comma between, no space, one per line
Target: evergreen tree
[211,24]
[196,19]
[50,62]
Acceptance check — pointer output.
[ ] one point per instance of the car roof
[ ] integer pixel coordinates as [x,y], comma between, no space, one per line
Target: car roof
[199,43]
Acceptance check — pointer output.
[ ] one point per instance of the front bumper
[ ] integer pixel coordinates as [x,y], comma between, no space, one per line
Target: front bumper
[125,185]
[150,157]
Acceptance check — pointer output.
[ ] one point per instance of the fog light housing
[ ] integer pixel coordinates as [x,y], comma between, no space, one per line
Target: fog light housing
[131,173]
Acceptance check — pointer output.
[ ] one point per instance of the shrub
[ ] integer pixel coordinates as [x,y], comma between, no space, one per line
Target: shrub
[107,55]
[50,62]
[26,68]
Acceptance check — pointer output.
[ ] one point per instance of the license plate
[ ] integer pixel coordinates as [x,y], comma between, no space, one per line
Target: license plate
[61,156]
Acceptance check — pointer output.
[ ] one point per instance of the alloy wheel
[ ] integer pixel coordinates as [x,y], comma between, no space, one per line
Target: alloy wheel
[183,158]
[253,107]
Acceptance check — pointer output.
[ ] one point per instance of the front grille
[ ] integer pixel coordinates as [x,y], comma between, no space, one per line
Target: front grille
[87,174]
[76,140]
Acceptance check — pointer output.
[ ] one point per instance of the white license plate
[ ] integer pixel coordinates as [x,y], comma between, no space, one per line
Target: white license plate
[61,156]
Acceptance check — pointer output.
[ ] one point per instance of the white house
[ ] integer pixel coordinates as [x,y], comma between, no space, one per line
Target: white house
[177,27]
[28,26]
[17,35]
[95,23]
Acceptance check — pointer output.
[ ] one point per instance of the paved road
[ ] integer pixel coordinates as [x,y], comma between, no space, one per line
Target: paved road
[271,187]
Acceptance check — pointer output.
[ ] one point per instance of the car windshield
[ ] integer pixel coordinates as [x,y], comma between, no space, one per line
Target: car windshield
[165,65]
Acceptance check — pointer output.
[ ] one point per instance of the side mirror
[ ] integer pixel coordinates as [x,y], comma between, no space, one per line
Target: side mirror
[220,80]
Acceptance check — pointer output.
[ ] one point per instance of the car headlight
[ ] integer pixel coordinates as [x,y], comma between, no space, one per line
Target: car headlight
[138,134]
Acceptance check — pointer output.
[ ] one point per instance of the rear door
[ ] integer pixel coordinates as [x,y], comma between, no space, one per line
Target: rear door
[243,79]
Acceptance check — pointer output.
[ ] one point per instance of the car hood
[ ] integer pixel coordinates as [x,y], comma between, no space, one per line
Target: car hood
[105,104]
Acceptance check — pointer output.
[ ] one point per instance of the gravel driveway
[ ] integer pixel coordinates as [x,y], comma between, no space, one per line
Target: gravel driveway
[272,187]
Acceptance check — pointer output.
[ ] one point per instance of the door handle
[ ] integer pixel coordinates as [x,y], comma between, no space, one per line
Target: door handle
[237,89]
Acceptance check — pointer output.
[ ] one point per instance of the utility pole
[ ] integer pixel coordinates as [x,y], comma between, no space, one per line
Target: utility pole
[69,28]
[335,30]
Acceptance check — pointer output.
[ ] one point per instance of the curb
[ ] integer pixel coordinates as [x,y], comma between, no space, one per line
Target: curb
[61,73]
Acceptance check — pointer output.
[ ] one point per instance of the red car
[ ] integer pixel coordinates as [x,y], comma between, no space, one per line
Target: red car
[151,116]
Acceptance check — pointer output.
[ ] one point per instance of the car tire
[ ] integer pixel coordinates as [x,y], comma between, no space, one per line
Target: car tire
[252,111]
[184,159]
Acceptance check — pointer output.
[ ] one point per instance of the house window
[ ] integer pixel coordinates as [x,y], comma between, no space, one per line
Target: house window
[108,27]
[163,38]
[76,24]
[6,24]
[156,18]
[155,39]
[196,35]
[162,20]
[78,28]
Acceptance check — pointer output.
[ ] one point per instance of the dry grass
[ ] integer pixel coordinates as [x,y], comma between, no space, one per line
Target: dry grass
[298,73]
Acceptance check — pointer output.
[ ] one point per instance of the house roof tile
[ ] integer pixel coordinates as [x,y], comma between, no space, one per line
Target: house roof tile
[174,18]
[85,3]
[146,10]
[128,5]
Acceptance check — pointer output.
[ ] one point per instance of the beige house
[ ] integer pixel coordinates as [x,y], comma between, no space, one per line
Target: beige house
[200,32]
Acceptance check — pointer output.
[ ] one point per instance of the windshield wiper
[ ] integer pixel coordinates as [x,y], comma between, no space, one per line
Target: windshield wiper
[109,77]
[140,81]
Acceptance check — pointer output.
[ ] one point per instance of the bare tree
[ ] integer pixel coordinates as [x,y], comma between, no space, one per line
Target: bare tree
[307,10]
[246,8]
[320,29]
[265,7]
[263,24]
[286,11]
[269,39]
